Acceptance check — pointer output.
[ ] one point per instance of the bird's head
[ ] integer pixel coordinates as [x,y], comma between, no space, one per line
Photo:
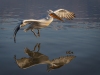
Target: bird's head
[50,11]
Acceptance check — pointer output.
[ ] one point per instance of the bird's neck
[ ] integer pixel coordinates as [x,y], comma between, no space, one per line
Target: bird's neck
[50,19]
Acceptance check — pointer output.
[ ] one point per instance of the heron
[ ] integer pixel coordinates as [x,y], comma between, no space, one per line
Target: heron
[59,14]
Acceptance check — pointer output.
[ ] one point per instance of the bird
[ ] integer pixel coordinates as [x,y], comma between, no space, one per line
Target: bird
[59,14]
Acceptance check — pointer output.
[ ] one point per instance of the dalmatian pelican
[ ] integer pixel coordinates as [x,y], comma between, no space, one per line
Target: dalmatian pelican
[59,14]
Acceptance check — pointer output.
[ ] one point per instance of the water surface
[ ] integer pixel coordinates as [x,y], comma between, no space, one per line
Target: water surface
[81,36]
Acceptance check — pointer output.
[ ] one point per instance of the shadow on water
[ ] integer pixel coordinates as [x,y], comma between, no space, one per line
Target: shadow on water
[36,58]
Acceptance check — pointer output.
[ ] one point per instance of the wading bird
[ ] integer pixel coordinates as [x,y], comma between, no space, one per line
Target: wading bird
[42,23]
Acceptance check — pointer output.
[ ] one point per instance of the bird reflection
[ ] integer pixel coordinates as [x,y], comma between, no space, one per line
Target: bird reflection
[59,62]
[36,58]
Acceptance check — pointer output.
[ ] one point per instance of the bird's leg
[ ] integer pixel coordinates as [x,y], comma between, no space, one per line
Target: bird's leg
[35,47]
[34,32]
[38,32]
[38,47]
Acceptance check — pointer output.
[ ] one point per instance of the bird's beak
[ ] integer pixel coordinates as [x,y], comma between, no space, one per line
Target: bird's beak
[16,30]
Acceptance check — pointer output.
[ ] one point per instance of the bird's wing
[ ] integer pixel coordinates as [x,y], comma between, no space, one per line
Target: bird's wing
[62,13]
[55,16]
[31,21]
[15,32]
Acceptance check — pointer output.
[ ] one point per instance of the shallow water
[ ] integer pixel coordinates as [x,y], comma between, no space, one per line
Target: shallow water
[80,36]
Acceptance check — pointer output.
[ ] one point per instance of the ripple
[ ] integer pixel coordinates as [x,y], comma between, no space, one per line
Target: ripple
[85,25]
[3,29]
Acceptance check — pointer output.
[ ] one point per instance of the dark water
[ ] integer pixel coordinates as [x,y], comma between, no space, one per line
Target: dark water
[76,41]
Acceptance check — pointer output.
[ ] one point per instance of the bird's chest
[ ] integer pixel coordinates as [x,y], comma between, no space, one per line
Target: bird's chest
[45,23]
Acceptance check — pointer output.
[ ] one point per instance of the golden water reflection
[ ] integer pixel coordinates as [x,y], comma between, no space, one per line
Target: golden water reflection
[36,58]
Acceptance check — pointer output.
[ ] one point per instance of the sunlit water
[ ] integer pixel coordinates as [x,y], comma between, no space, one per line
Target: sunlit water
[81,36]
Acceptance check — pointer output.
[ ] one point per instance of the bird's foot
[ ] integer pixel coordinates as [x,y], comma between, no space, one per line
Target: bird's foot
[38,35]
